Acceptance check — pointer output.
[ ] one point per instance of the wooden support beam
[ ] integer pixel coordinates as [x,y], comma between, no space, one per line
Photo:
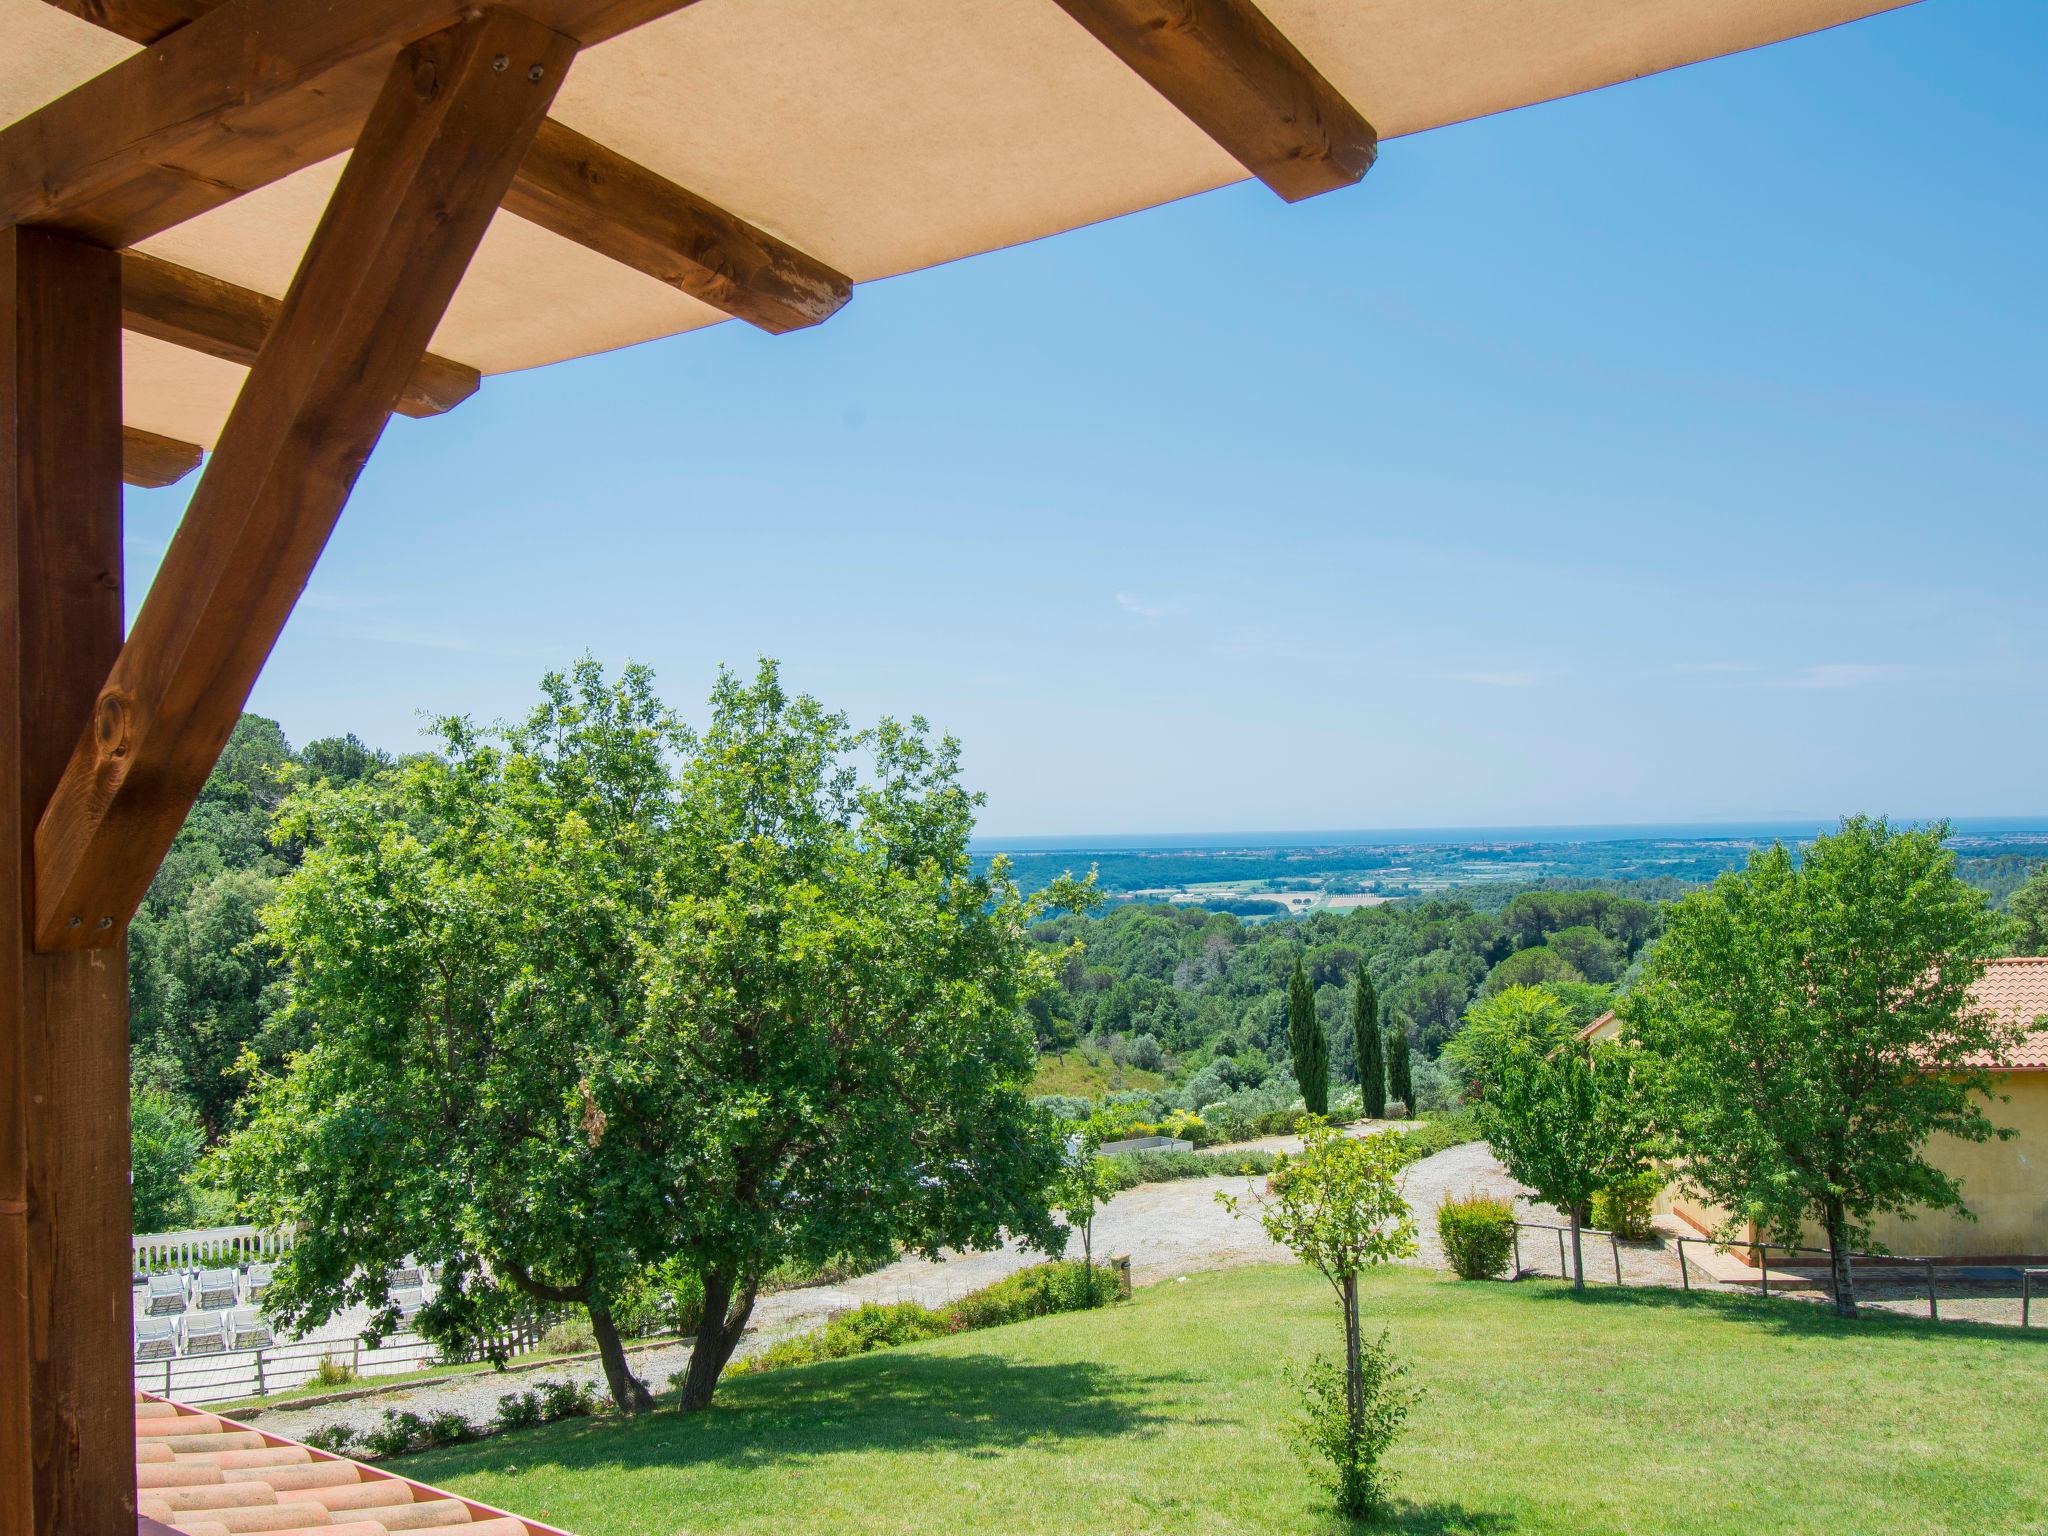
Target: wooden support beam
[190,309]
[585,192]
[67,1460]
[569,184]
[238,98]
[1237,78]
[435,158]
[140,21]
[152,461]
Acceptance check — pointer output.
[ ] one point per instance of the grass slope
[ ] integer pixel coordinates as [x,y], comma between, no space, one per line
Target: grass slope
[1089,1075]
[1631,1411]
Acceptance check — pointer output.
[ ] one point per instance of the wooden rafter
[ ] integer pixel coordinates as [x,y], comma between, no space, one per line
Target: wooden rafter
[585,192]
[1237,77]
[140,21]
[190,309]
[152,461]
[238,98]
[433,161]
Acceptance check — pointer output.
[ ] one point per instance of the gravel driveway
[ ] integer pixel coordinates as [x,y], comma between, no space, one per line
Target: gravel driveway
[1471,1168]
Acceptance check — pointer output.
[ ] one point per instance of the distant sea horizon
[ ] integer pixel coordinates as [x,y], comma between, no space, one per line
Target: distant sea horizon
[1615,832]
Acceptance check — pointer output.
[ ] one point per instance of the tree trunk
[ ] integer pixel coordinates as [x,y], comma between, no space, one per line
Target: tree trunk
[1354,1372]
[1838,1260]
[725,1318]
[1578,1258]
[628,1390]
[1088,1256]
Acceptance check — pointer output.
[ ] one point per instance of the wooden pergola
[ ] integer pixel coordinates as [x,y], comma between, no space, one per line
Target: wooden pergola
[247,231]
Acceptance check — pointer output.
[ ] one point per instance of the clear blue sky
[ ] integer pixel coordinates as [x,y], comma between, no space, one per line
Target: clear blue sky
[1675,452]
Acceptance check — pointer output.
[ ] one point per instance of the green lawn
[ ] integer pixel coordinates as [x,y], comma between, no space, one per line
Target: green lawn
[1630,1411]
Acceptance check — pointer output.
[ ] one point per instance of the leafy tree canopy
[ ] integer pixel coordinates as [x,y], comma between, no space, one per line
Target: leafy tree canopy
[1531,1019]
[2027,909]
[1813,1026]
[1568,1120]
[591,994]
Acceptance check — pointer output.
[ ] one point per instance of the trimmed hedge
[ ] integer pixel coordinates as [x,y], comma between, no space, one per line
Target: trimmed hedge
[1478,1234]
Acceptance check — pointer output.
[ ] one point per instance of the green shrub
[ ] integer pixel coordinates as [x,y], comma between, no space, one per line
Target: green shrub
[1059,1286]
[519,1410]
[1279,1122]
[331,1372]
[400,1432]
[1625,1208]
[877,1325]
[1343,1454]
[794,1274]
[448,1428]
[336,1438]
[1478,1234]
[570,1337]
[1225,1123]
[1128,1169]
[566,1399]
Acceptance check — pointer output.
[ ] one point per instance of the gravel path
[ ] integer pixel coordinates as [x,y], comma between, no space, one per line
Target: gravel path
[1473,1168]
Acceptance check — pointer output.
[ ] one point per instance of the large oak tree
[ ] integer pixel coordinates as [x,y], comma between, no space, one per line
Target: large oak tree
[593,995]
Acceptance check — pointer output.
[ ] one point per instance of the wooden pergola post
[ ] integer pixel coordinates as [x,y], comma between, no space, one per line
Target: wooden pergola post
[67,1441]
[105,742]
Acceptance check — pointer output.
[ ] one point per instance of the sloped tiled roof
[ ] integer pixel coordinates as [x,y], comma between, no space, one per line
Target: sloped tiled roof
[203,1475]
[1601,1028]
[2016,989]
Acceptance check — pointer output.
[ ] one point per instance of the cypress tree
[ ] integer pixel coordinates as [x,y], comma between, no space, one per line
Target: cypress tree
[1305,1041]
[1365,1030]
[1400,1084]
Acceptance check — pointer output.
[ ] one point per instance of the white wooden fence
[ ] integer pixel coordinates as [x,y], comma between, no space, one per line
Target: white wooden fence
[206,1248]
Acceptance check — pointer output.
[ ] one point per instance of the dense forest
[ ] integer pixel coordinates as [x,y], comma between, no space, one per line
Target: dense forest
[204,992]
[1201,995]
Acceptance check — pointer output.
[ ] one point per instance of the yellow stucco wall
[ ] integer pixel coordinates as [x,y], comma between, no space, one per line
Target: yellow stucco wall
[2004,1182]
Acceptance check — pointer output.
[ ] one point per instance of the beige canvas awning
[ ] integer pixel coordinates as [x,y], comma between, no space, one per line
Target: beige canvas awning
[530,180]
[880,136]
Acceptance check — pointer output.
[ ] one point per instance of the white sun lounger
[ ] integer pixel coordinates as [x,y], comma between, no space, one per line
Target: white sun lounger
[166,1295]
[156,1338]
[247,1330]
[206,1333]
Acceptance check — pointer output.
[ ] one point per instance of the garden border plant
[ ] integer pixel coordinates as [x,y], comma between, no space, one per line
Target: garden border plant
[401,1432]
[1059,1285]
[1478,1234]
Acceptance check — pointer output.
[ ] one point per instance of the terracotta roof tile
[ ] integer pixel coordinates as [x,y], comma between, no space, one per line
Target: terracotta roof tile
[2017,989]
[199,1474]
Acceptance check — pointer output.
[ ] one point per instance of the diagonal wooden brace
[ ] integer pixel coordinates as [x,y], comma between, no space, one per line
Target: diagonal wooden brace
[439,150]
